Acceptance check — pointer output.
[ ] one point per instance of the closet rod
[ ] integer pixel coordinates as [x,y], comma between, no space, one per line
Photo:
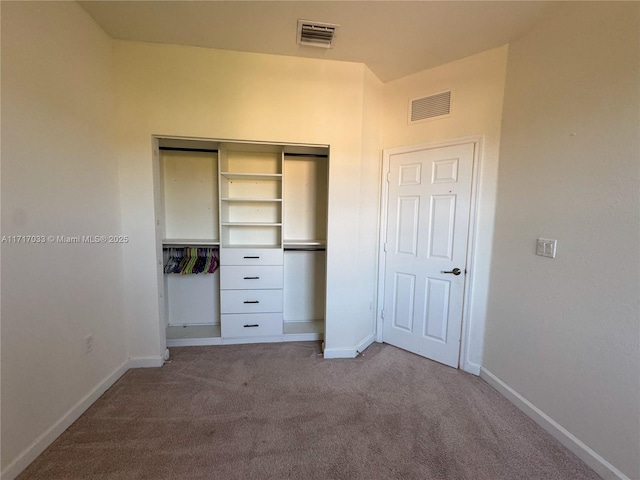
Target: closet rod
[305,249]
[312,155]
[186,149]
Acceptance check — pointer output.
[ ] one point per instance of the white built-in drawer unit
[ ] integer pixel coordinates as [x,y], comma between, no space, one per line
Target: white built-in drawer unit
[251,256]
[251,295]
[251,325]
[240,277]
[251,301]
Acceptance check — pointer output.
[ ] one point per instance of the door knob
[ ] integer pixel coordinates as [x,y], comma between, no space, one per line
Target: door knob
[455,271]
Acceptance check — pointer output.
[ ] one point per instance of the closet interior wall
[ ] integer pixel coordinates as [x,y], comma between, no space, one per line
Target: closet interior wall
[242,229]
[305,232]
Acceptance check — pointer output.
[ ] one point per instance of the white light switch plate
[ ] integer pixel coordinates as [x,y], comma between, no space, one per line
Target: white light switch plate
[546,247]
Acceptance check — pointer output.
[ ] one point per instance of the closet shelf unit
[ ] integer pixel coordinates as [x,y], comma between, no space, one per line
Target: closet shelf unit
[251,195]
[263,207]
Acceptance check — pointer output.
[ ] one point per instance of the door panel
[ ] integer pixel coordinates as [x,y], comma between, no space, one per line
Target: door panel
[405,288]
[428,209]
[407,231]
[443,211]
[436,309]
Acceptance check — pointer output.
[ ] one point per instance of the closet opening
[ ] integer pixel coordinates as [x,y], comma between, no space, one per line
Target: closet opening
[241,240]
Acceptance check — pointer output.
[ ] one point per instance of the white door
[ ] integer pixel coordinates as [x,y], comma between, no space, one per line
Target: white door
[429,196]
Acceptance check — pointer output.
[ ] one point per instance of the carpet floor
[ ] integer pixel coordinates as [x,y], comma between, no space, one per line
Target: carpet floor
[280,411]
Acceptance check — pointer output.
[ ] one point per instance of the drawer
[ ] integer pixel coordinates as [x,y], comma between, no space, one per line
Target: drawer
[250,301]
[233,277]
[250,256]
[251,325]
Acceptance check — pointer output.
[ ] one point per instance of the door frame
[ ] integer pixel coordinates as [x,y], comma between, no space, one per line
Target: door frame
[477,142]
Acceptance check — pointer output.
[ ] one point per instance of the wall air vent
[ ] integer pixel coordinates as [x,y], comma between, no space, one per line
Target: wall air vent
[316,34]
[431,107]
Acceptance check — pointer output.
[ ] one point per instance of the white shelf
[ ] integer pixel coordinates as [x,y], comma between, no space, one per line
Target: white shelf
[251,186]
[194,342]
[251,200]
[250,245]
[303,331]
[178,336]
[305,243]
[251,176]
[250,224]
[188,242]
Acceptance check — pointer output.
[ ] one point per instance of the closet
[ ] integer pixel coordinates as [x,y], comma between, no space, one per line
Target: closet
[242,231]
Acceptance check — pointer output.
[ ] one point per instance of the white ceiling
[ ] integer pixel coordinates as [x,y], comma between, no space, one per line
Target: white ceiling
[393,38]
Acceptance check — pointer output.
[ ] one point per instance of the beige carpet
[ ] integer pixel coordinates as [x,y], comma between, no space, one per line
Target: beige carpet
[280,411]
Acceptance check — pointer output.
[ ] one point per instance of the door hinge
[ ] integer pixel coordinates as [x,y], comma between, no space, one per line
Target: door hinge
[384,248]
[388,177]
[382,314]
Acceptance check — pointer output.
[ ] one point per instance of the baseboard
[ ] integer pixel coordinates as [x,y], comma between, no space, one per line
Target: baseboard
[146,362]
[193,342]
[43,441]
[302,337]
[364,344]
[349,352]
[581,450]
[247,340]
[472,368]
[340,353]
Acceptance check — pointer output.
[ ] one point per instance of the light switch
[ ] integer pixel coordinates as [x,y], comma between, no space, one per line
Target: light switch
[546,247]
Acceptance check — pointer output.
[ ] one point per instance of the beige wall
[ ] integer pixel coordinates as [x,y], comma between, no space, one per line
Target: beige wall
[564,333]
[369,204]
[59,177]
[478,85]
[186,91]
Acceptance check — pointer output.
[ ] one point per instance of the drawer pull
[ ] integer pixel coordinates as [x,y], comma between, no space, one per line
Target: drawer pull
[251,326]
[251,301]
[252,278]
[251,257]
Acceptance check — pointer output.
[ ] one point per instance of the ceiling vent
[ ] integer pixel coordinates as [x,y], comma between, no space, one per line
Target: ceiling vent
[431,107]
[316,34]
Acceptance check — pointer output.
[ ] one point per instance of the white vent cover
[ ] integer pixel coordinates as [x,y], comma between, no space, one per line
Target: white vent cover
[316,34]
[431,107]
